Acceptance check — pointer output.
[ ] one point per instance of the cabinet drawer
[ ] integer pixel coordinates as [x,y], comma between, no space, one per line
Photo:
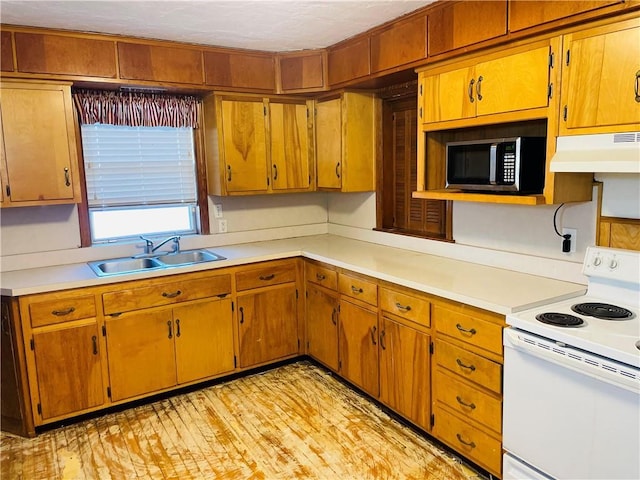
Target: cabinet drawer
[471,442]
[165,294]
[468,329]
[364,290]
[321,276]
[469,365]
[467,401]
[265,276]
[54,311]
[406,306]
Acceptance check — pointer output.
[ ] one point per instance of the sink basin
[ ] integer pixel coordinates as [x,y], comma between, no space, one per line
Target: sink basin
[189,257]
[124,265]
[119,266]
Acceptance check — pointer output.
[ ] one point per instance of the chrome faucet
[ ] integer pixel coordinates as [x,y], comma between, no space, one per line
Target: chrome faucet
[149,248]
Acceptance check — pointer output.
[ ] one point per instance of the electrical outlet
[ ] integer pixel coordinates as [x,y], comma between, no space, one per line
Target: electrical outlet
[217,210]
[574,238]
[222,226]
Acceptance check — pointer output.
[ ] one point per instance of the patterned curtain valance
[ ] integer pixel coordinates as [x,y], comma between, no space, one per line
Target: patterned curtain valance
[135,109]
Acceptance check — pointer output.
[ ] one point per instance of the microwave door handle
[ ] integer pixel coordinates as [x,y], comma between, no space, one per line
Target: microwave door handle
[493,156]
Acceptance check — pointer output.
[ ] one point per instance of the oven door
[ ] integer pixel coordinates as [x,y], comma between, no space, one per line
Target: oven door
[568,413]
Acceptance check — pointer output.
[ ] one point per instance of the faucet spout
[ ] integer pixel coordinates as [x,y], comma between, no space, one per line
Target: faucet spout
[175,247]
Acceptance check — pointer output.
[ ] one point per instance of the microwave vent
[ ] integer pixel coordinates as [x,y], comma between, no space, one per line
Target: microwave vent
[598,153]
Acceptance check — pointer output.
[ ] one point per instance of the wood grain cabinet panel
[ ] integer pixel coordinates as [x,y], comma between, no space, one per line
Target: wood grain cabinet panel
[303,72]
[50,311]
[322,325]
[65,55]
[6,51]
[469,329]
[349,60]
[404,42]
[358,288]
[160,64]
[461,24]
[525,13]
[266,276]
[468,365]
[239,70]
[321,275]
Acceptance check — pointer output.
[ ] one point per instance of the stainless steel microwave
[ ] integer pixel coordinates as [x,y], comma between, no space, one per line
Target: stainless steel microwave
[507,165]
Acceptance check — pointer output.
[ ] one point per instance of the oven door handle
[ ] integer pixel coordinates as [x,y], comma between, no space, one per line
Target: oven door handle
[574,359]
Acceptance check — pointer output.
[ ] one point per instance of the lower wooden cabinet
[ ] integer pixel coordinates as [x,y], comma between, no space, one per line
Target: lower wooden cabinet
[322,325]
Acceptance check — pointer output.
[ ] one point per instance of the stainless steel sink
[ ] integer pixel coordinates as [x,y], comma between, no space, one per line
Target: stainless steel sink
[120,266]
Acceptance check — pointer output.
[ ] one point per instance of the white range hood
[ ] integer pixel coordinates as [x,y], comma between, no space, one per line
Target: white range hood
[608,152]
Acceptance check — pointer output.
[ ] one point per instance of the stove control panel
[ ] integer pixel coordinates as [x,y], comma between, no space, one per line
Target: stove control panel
[612,263]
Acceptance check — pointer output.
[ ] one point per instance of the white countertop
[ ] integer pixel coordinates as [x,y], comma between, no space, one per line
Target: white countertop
[494,289]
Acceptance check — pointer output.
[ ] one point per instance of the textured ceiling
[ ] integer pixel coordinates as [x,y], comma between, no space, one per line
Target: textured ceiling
[272,25]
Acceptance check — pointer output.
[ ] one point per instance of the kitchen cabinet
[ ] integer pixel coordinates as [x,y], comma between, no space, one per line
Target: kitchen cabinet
[267,313]
[39,144]
[400,43]
[601,79]
[349,60]
[252,71]
[322,304]
[303,71]
[6,51]
[347,129]
[138,61]
[258,145]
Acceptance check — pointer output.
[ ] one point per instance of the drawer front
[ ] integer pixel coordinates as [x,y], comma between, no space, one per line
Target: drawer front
[165,294]
[406,306]
[321,276]
[467,401]
[54,311]
[470,366]
[364,290]
[265,276]
[471,442]
[468,329]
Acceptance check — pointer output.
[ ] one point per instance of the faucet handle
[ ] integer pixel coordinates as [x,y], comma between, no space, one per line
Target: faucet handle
[176,244]
[148,248]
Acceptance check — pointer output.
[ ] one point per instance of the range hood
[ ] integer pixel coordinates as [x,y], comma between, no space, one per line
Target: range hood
[608,152]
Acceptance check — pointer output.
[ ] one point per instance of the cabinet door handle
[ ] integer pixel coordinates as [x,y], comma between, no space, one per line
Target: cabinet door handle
[266,278]
[356,290]
[468,367]
[94,340]
[470,91]
[637,86]
[172,294]
[67,179]
[275,172]
[373,335]
[177,327]
[471,444]
[334,314]
[241,309]
[228,173]
[479,88]
[471,331]
[169,324]
[338,169]
[383,333]
[404,308]
[471,405]
[320,277]
[62,313]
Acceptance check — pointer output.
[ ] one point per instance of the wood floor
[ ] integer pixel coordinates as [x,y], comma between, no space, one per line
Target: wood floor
[293,422]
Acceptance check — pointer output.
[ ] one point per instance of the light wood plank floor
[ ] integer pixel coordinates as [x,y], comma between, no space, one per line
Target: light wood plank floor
[293,422]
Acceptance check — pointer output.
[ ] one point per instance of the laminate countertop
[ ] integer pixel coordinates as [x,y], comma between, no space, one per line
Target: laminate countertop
[495,289]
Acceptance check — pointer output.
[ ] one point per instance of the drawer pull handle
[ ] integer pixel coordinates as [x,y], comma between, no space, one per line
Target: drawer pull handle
[338,169]
[637,86]
[404,308]
[67,180]
[62,313]
[177,327]
[172,294]
[320,277]
[468,367]
[241,309]
[470,90]
[170,328]
[472,405]
[94,340]
[356,290]
[471,444]
[334,314]
[382,335]
[464,330]
[266,278]
[479,88]
[373,335]
[228,173]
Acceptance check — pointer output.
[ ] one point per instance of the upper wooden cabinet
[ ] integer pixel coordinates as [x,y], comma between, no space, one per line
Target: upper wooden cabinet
[401,43]
[6,60]
[303,71]
[346,138]
[39,144]
[224,69]
[63,54]
[601,79]
[460,24]
[161,64]
[349,60]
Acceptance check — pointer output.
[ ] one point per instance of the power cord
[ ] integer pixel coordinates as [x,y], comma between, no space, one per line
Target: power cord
[566,243]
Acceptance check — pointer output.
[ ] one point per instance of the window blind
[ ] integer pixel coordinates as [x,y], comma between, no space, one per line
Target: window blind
[127,166]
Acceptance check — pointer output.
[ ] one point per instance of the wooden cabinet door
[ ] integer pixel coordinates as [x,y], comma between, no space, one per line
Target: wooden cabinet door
[244,145]
[601,80]
[69,370]
[39,143]
[358,346]
[514,82]
[290,158]
[268,327]
[405,371]
[449,96]
[203,339]
[329,143]
[141,353]
[322,326]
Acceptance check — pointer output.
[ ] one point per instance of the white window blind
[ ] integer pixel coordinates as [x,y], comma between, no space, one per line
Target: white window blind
[126,166]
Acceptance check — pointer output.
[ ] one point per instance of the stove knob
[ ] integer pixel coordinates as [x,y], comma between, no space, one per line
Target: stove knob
[597,261]
[613,263]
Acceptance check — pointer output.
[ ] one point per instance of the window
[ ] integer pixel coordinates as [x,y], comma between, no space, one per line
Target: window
[139,180]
